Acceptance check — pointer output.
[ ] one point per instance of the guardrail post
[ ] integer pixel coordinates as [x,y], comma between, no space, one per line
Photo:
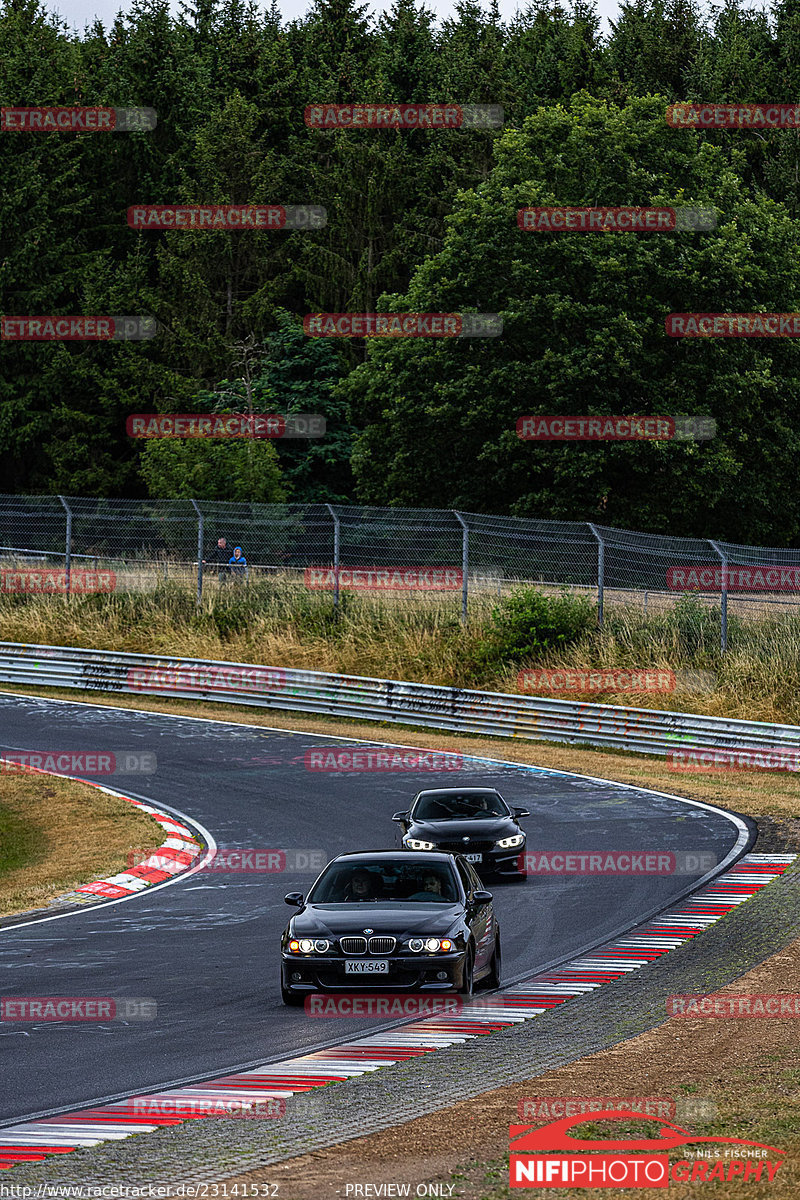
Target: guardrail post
[200,540]
[68,547]
[336,549]
[723,613]
[601,574]
[464,565]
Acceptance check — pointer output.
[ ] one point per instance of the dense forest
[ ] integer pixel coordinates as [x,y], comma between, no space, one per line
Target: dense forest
[417,220]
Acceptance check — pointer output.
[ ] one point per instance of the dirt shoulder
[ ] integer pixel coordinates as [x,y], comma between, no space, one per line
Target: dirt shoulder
[746,1067]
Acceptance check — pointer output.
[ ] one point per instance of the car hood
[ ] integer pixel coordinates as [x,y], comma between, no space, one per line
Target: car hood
[477,829]
[333,920]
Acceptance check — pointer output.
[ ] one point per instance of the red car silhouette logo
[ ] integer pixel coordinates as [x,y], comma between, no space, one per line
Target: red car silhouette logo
[556,1136]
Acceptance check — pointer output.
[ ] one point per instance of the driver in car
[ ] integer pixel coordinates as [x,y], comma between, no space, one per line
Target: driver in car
[362,886]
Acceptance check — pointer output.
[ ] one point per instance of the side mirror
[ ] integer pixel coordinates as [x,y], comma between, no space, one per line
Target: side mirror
[521,812]
[481,897]
[295,899]
[400,816]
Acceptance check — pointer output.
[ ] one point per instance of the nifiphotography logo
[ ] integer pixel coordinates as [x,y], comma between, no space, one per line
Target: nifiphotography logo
[631,1162]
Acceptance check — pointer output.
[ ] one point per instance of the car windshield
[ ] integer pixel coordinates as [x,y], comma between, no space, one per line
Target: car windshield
[436,806]
[345,882]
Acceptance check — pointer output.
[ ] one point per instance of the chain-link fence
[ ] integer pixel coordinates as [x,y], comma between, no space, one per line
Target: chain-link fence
[75,544]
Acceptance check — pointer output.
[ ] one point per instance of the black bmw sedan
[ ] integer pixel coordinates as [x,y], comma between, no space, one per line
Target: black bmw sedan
[474,822]
[390,920]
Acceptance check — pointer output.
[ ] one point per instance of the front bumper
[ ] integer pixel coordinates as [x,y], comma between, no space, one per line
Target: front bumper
[493,861]
[407,973]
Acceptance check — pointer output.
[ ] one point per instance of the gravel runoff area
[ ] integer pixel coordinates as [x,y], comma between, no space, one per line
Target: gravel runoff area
[218,1149]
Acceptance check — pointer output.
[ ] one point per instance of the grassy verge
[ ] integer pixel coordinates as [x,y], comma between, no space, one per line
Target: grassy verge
[422,640]
[56,834]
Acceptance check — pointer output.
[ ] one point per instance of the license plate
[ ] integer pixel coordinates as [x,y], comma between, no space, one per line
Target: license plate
[372,966]
[474,857]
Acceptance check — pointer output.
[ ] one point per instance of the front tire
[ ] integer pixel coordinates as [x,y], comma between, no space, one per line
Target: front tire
[495,966]
[468,979]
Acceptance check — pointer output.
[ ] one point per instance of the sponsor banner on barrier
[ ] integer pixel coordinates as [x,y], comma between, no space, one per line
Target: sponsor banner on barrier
[269,1108]
[79,762]
[723,758]
[404,116]
[76,118]
[77,329]
[431,324]
[211,678]
[614,679]
[399,1004]
[54,580]
[368,758]
[752,577]
[565,218]
[767,1004]
[709,325]
[227,217]
[703,115]
[225,425]
[385,579]
[616,862]
[77,1008]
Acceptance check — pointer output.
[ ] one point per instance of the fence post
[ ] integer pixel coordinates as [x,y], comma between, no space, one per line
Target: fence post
[601,574]
[464,565]
[200,540]
[68,547]
[336,549]
[723,614]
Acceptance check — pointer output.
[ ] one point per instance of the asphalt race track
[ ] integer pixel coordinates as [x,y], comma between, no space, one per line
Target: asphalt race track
[205,948]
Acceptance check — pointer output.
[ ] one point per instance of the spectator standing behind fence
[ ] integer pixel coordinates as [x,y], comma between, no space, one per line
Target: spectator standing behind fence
[220,557]
[237,565]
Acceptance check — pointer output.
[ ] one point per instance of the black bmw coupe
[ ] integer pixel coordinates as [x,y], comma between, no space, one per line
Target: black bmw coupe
[474,822]
[391,920]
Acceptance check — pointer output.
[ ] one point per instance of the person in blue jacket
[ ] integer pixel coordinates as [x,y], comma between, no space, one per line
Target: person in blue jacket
[237,565]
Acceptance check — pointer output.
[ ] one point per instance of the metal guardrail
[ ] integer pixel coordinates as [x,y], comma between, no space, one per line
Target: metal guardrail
[645,731]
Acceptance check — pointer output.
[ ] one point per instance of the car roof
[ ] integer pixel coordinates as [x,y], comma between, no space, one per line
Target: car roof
[394,855]
[461,791]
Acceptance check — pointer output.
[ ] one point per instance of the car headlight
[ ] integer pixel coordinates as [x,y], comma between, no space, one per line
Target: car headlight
[416,844]
[432,945]
[307,946]
[516,839]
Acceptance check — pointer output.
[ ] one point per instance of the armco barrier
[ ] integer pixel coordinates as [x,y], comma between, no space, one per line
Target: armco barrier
[645,731]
